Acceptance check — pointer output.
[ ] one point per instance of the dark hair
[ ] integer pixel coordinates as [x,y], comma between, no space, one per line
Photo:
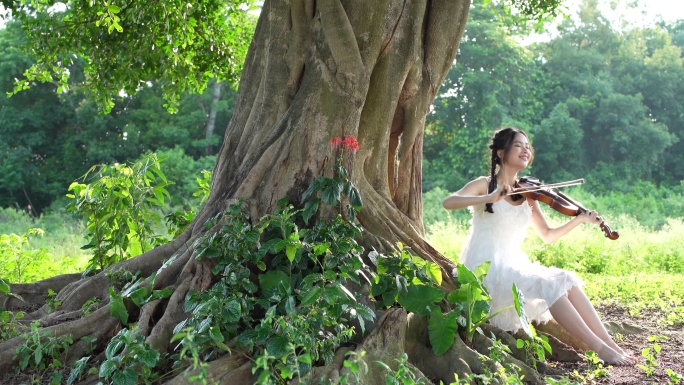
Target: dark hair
[502,140]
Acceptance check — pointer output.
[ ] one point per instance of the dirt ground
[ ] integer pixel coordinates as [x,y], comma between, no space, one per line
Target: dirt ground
[671,354]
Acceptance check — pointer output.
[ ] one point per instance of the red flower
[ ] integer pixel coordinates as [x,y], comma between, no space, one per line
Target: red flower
[350,143]
[335,142]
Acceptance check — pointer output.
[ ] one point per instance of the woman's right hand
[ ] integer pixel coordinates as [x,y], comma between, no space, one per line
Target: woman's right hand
[500,192]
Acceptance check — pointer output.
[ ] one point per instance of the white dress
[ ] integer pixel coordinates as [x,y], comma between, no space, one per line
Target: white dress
[497,237]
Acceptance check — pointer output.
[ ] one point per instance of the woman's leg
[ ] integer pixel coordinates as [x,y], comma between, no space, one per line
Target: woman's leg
[568,317]
[586,310]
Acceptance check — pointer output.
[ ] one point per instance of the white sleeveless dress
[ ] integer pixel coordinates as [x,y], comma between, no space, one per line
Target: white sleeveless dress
[497,237]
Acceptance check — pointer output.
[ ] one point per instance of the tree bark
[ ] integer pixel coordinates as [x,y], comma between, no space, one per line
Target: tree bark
[316,69]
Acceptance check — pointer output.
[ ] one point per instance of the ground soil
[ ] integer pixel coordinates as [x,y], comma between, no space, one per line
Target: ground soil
[650,323]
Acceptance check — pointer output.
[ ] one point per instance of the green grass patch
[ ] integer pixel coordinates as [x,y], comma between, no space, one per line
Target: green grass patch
[28,255]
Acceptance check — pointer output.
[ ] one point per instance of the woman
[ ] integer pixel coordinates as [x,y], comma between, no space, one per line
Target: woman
[499,226]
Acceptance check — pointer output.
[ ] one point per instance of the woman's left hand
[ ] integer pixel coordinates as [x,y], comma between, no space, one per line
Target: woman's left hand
[590,216]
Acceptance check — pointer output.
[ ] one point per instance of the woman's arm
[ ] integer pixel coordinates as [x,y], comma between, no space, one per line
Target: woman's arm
[551,234]
[474,193]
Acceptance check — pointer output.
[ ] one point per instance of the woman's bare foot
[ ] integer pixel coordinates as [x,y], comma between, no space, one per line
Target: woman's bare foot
[619,350]
[613,357]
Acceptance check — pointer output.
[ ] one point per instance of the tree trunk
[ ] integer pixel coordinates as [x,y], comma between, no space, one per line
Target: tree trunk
[315,70]
[320,69]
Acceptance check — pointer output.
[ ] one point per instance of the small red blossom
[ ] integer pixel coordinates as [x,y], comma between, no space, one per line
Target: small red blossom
[335,142]
[350,143]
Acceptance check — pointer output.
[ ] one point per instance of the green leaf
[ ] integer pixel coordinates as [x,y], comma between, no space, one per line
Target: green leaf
[150,357]
[4,286]
[321,248]
[420,299]
[278,346]
[519,304]
[116,306]
[310,209]
[291,250]
[332,193]
[77,369]
[481,271]
[434,272]
[402,285]
[107,368]
[274,280]
[310,296]
[215,334]
[464,275]
[233,311]
[442,330]
[139,296]
[355,198]
[305,358]
[126,377]
[38,355]
[290,305]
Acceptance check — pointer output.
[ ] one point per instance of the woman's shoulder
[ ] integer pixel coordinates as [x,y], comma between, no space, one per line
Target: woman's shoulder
[479,186]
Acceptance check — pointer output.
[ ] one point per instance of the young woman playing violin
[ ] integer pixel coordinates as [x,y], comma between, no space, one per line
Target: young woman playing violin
[499,226]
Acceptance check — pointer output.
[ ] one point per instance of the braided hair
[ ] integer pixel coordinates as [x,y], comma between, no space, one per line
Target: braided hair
[502,140]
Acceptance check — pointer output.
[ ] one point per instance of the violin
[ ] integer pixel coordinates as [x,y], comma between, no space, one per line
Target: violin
[531,188]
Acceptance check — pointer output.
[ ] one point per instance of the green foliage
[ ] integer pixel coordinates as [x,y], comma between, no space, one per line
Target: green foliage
[507,373]
[180,46]
[10,326]
[20,263]
[41,350]
[404,374]
[472,298]
[302,276]
[118,208]
[331,191]
[129,360]
[674,377]
[136,291]
[51,302]
[535,347]
[91,305]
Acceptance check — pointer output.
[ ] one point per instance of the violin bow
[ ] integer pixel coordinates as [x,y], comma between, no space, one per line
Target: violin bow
[549,185]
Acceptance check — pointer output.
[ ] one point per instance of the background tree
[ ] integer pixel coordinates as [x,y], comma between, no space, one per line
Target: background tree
[495,81]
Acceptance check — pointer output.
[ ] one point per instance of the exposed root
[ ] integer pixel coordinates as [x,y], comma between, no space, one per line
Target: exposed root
[92,325]
[162,331]
[483,345]
[35,293]
[330,372]
[553,328]
[233,369]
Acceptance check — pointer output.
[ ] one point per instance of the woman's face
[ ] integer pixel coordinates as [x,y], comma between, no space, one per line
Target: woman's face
[519,154]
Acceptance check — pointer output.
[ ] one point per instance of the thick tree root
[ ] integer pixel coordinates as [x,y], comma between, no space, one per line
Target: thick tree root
[36,292]
[233,369]
[98,322]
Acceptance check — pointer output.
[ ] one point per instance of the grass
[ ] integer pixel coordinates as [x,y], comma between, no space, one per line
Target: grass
[56,251]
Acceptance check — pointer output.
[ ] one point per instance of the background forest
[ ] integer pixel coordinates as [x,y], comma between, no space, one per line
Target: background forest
[600,103]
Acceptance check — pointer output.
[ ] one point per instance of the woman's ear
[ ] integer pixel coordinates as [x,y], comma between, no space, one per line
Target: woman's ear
[500,154]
